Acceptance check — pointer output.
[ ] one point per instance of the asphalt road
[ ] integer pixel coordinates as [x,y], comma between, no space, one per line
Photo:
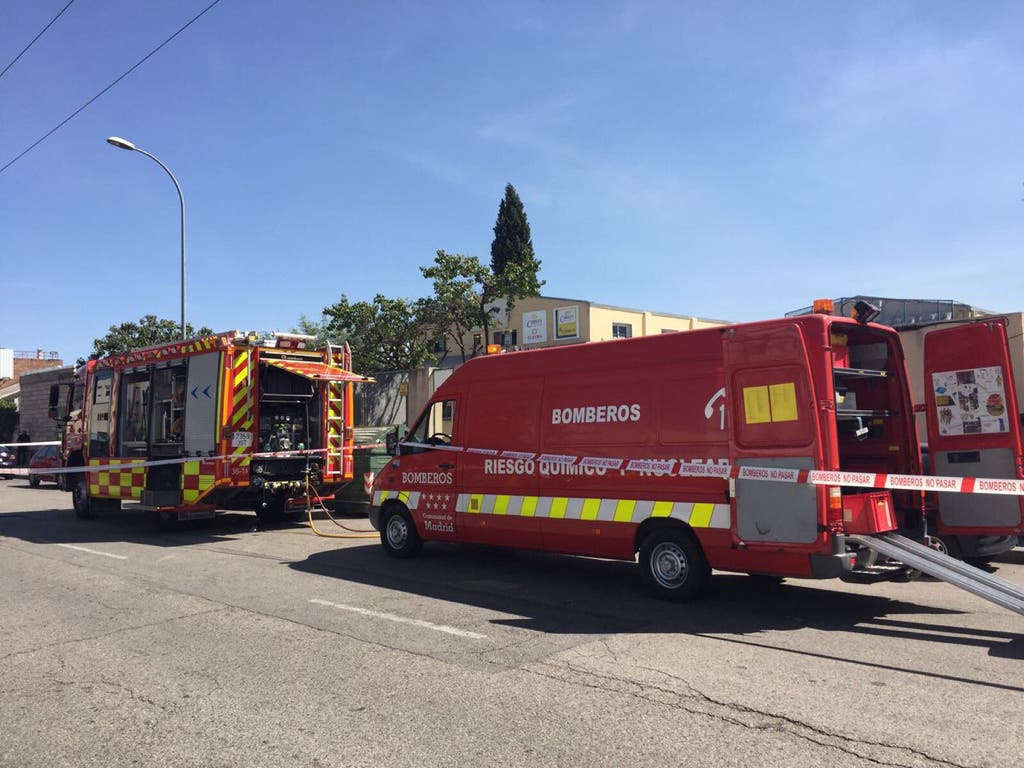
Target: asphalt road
[221,645]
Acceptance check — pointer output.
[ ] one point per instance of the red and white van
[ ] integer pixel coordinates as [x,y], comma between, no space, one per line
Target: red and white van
[539,450]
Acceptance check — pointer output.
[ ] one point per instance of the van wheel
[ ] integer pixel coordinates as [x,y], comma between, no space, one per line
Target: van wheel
[33,480]
[84,506]
[673,565]
[398,534]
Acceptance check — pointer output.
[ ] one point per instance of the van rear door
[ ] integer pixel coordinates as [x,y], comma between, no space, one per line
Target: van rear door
[973,423]
[773,424]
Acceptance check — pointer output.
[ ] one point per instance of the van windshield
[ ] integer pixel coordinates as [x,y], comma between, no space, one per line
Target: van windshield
[436,425]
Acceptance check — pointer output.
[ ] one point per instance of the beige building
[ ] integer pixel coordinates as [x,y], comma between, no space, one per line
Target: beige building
[546,321]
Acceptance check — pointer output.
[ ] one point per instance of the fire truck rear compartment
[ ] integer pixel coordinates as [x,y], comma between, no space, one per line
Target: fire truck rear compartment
[289,420]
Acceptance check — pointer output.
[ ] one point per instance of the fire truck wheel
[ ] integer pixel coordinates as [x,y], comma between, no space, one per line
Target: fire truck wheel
[673,565]
[398,534]
[80,500]
[273,510]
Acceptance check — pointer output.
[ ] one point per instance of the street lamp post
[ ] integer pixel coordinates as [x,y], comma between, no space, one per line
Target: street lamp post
[125,144]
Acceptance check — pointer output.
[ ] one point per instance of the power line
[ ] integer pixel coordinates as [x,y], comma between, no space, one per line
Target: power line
[36,37]
[135,66]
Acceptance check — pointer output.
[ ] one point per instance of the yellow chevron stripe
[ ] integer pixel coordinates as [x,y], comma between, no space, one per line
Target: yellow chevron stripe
[558,505]
[701,515]
[500,505]
[590,508]
[662,509]
[529,507]
[624,511]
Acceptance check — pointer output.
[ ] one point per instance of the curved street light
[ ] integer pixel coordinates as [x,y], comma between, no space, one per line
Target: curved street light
[117,141]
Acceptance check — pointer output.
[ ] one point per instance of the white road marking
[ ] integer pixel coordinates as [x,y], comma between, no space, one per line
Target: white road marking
[403,620]
[93,551]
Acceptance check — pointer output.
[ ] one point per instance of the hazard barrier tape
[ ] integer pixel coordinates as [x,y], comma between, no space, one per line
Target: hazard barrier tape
[661,467]
[29,445]
[23,471]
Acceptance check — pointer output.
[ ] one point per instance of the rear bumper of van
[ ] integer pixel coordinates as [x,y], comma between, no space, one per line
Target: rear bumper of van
[835,565]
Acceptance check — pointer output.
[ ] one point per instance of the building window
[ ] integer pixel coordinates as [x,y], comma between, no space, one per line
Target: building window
[622,330]
[507,339]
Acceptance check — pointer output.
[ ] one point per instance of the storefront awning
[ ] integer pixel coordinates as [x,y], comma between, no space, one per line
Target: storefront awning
[317,371]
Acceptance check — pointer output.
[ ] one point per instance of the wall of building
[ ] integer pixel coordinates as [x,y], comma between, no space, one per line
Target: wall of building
[34,402]
[583,321]
[382,401]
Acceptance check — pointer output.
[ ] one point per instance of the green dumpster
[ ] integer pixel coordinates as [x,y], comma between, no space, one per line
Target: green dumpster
[372,458]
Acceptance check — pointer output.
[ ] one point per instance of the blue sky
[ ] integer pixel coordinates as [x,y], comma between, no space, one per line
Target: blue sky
[729,160]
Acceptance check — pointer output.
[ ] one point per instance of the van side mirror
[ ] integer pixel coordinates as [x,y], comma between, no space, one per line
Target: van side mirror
[391,441]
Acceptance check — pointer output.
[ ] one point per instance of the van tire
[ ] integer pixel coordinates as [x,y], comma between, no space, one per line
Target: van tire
[33,481]
[672,564]
[398,534]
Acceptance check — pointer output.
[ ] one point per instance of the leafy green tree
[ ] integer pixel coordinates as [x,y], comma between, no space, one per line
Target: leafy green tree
[462,302]
[8,418]
[147,332]
[513,262]
[383,335]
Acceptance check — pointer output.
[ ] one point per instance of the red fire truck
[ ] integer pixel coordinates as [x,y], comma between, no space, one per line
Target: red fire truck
[666,446]
[235,420]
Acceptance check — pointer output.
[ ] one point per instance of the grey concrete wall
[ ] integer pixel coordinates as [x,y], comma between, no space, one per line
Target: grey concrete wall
[396,397]
[382,402]
[34,402]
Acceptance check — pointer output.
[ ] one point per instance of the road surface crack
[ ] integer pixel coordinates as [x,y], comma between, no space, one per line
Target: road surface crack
[118,631]
[695,702]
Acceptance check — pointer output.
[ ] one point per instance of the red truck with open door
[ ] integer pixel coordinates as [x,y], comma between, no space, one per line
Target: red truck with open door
[786,447]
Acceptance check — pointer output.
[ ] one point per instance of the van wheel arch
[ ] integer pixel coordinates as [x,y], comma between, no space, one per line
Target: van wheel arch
[653,523]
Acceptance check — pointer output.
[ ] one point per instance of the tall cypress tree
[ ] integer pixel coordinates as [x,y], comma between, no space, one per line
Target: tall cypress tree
[513,262]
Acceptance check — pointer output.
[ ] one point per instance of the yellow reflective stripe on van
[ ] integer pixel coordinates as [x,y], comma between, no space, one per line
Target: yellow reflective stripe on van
[700,516]
[590,508]
[624,510]
[696,514]
[558,506]
[662,509]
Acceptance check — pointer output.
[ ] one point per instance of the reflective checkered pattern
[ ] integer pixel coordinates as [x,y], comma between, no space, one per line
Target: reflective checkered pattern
[197,478]
[117,483]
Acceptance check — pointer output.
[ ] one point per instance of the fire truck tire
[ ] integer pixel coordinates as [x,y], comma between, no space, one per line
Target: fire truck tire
[273,510]
[673,565]
[398,533]
[85,507]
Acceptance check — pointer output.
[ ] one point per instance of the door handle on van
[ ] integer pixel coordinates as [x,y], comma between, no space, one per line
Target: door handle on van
[446,466]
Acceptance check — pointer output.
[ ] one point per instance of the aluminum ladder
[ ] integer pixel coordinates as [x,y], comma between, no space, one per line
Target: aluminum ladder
[945,568]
